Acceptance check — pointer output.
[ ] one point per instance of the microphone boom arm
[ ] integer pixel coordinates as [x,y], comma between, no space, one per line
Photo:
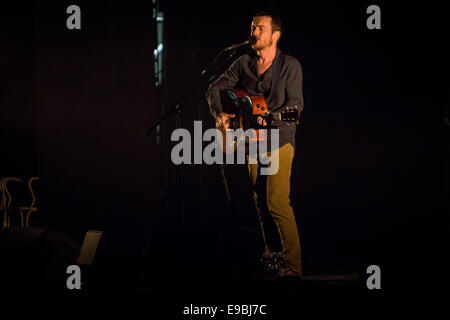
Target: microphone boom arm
[205,74]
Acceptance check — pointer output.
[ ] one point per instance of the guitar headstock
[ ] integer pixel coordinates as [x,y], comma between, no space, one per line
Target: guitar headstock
[290,115]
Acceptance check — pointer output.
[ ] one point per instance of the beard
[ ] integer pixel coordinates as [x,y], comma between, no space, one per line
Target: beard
[259,45]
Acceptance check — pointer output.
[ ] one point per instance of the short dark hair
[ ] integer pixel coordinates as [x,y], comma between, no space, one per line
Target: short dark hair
[277,24]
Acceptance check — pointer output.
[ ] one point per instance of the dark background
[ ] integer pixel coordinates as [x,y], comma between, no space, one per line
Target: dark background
[369,181]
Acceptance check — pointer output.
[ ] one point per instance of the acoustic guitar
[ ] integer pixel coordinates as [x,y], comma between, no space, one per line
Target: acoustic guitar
[247,109]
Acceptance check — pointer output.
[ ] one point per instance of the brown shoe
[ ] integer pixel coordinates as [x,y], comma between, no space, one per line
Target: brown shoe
[289,274]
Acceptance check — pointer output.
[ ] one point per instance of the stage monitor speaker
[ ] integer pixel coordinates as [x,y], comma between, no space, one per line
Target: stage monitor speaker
[35,259]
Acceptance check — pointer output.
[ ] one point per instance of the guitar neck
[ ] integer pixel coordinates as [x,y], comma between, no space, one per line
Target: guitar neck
[276,116]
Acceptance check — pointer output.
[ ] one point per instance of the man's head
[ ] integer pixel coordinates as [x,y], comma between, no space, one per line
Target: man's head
[267,29]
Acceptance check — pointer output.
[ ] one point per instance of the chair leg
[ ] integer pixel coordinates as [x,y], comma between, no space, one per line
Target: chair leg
[4,222]
[28,219]
[21,217]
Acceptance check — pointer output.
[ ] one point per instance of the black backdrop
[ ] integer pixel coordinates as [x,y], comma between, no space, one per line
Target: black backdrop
[369,177]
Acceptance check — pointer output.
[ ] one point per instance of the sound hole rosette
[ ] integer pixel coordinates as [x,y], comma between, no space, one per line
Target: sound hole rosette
[246,105]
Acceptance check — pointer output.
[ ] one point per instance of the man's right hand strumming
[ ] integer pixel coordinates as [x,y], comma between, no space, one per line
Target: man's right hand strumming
[223,118]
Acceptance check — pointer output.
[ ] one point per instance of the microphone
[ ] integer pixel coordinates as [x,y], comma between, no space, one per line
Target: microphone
[251,41]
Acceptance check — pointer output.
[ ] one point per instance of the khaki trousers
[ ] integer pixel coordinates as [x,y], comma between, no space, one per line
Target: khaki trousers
[273,191]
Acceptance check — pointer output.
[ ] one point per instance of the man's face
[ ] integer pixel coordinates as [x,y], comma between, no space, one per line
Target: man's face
[262,31]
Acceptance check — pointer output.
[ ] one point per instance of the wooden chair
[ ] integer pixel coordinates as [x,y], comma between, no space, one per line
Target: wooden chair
[32,207]
[7,200]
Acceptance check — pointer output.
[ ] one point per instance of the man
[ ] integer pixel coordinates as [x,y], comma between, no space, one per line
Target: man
[267,71]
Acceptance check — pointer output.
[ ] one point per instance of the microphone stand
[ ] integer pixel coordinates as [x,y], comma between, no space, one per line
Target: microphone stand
[210,74]
[206,74]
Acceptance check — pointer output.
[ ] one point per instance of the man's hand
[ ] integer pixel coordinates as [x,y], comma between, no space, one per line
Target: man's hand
[262,121]
[223,120]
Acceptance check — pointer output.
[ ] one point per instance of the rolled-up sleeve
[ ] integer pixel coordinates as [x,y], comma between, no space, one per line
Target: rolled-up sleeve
[227,80]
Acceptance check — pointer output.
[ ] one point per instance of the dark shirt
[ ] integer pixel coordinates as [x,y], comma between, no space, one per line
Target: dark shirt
[243,73]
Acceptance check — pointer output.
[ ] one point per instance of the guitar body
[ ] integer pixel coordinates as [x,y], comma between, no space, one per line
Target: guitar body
[258,103]
[247,108]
